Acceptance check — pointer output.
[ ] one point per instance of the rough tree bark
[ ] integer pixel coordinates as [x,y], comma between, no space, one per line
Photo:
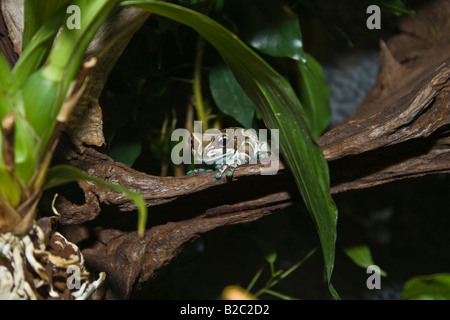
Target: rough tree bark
[400,131]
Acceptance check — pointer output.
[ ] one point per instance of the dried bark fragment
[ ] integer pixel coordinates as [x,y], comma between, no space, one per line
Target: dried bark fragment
[37,265]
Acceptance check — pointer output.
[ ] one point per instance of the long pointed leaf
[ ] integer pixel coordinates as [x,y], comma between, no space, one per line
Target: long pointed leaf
[10,102]
[281,109]
[70,46]
[428,287]
[62,174]
[269,26]
[10,98]
[361,256]
[314,94]
[45,89]
[36,13]
[37,50]
[229,96]
[26,146]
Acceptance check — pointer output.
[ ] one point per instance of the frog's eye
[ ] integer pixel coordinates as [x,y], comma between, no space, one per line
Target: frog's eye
[223,141]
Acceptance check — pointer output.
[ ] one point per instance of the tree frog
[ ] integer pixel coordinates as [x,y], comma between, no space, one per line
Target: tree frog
[226,149]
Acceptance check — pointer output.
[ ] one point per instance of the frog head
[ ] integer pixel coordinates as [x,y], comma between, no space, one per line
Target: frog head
[232,145]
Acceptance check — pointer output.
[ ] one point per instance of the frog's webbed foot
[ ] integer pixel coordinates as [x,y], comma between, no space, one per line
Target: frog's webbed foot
[221,170]
[230,173]
[198,171]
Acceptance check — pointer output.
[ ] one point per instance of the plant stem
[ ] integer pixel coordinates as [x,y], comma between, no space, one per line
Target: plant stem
[279,295]
[255,278]
[280,275]
[197,84]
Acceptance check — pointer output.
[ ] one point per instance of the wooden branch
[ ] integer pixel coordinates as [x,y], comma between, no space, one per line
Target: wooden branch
[409,138]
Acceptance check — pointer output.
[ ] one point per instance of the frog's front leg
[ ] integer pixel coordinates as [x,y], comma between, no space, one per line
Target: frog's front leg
[229,168]
[221,168]
[230,172]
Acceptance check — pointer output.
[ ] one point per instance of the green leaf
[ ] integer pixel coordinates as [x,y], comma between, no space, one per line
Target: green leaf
[63,62]
[398,8]
[315,95]
[42,97]
[126,147]
[38,48]
[280,109]
[26,146]
[10,102]
[229,96]
[10,97]
[36,13]
[269,26]
[361,256]
[62,174]
[10,188]
[428,287]
[70,46]
[25,142]
[45,89]
[272,28]
[271,257]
